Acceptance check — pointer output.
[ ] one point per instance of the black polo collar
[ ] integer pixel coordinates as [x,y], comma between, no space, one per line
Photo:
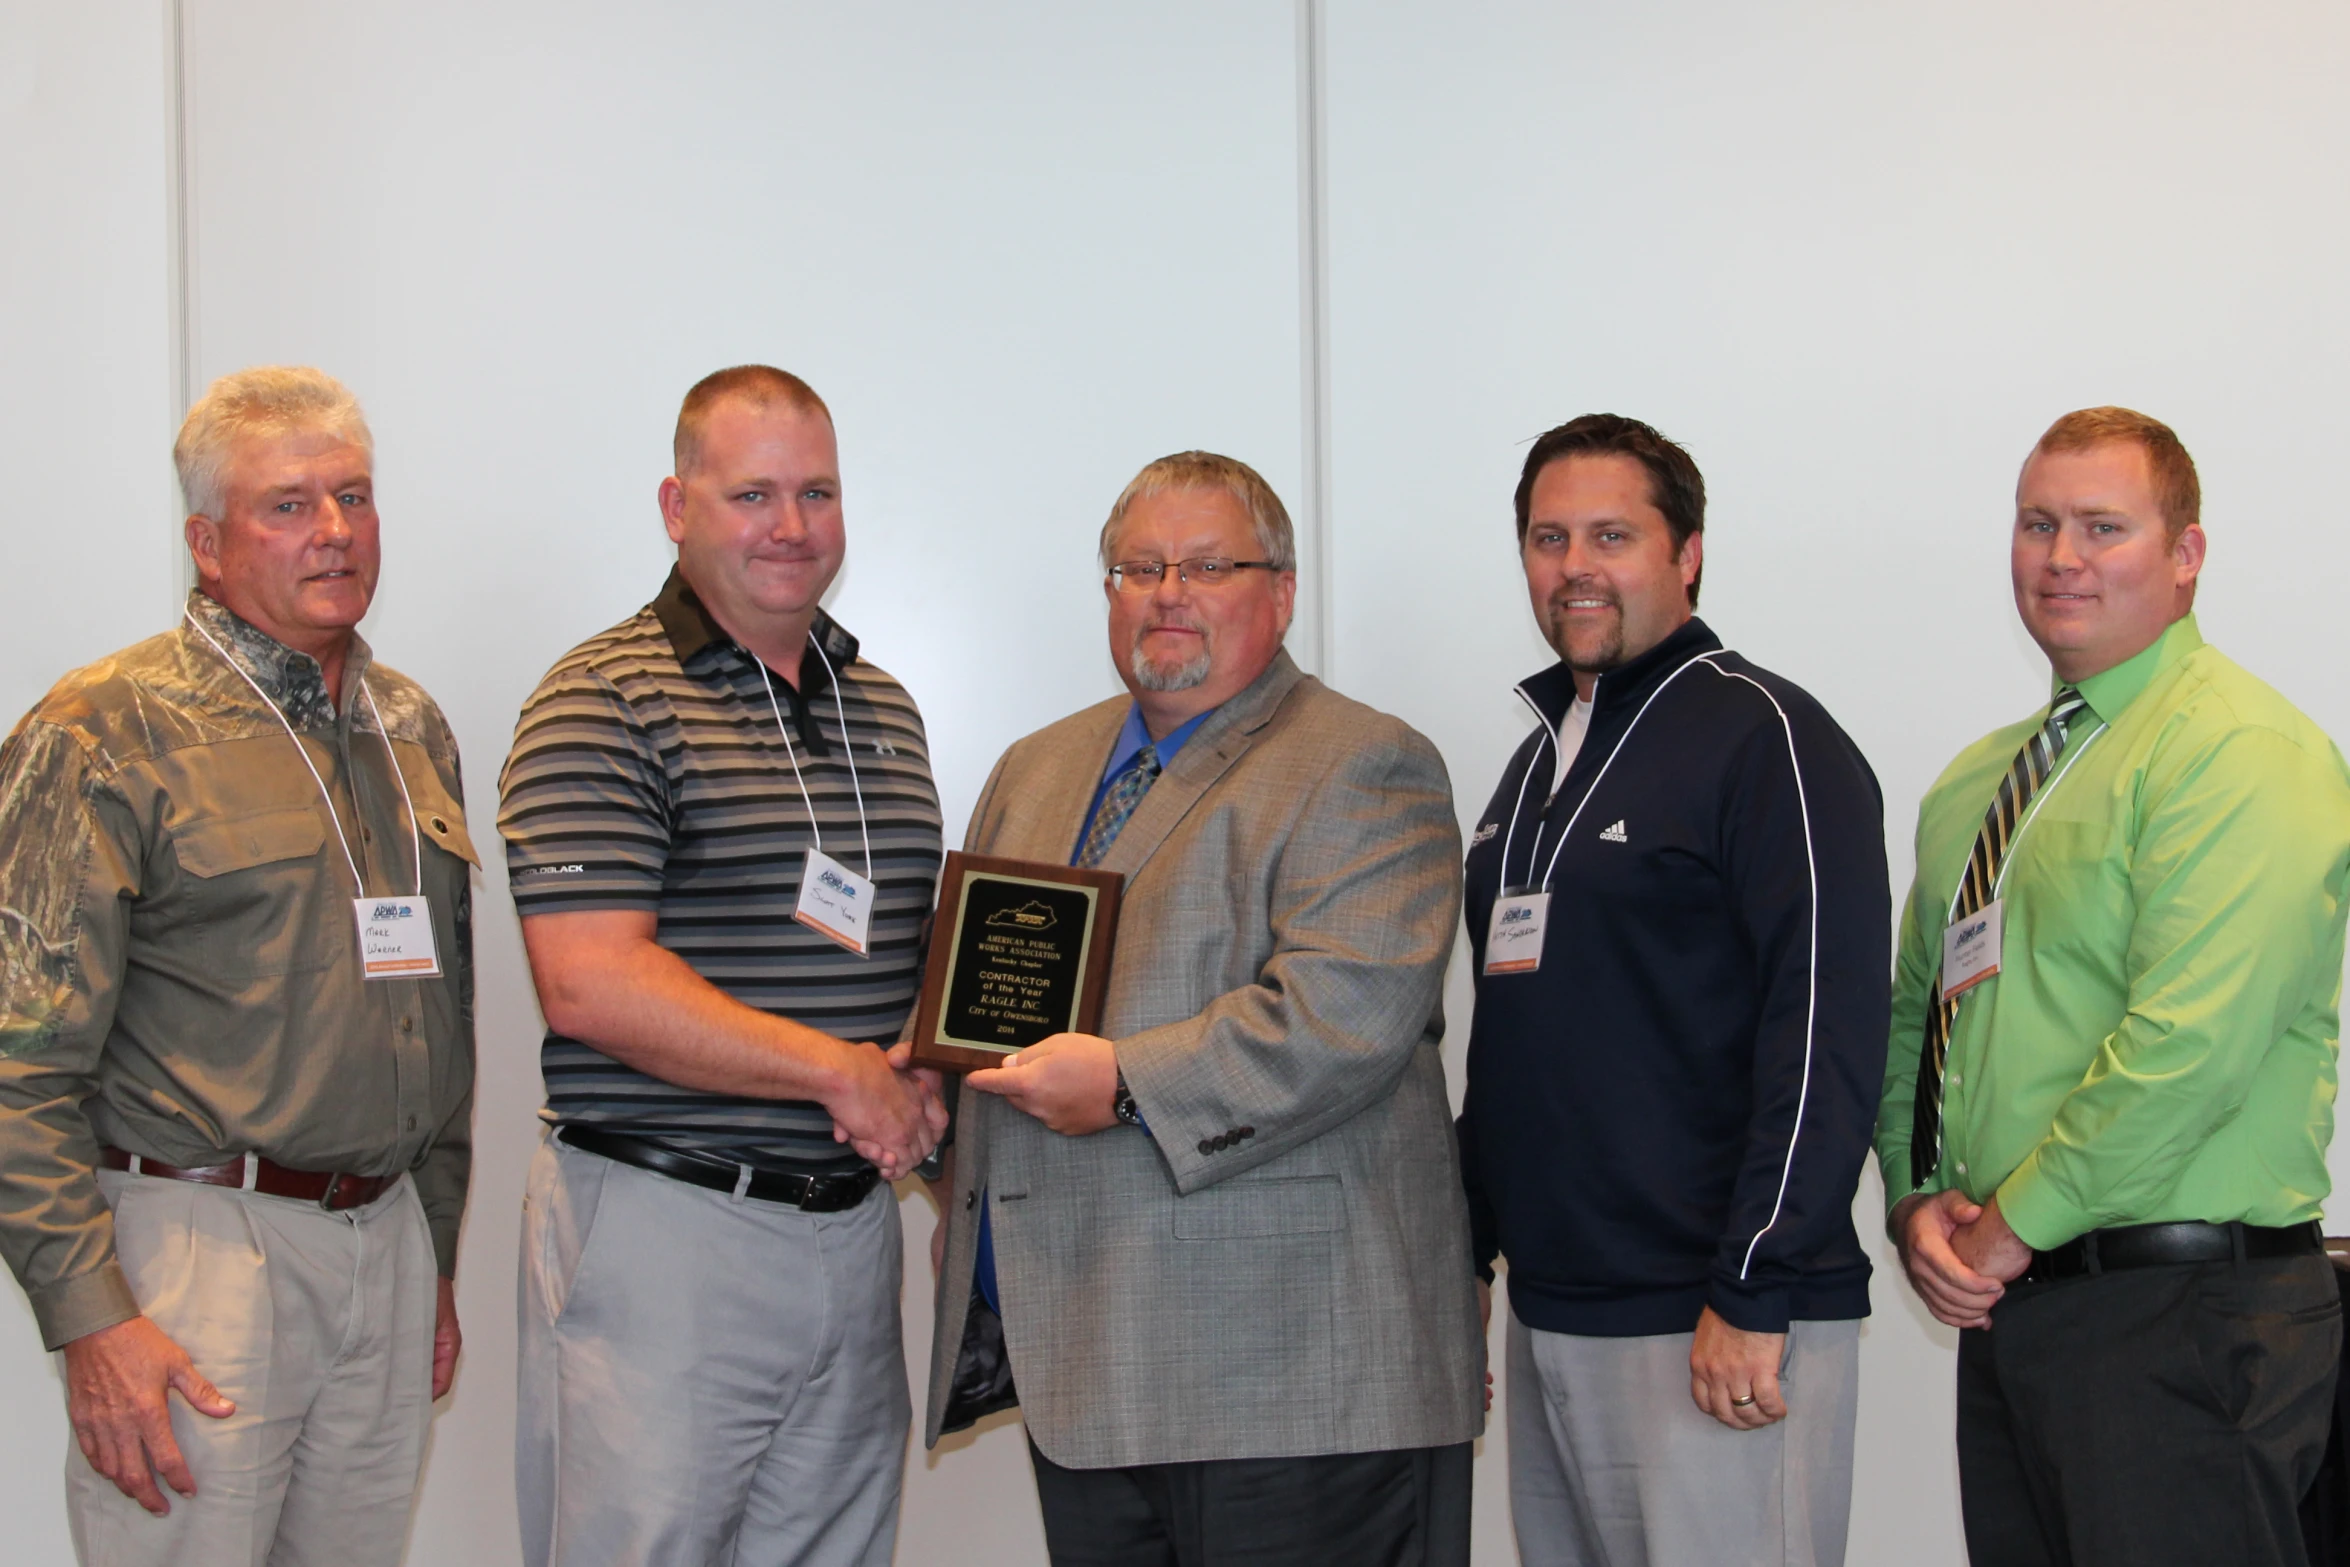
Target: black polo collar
[691,629]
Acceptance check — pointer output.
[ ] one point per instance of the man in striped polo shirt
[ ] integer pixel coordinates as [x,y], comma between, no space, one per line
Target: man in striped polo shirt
[723,839]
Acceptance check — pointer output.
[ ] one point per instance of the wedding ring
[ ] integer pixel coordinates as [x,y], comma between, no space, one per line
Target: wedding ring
[1743,1403]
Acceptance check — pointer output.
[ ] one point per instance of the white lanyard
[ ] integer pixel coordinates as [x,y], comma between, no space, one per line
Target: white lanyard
[2007,861]
[1550,736]
[1974,948]
[415,843]
[848,748]
[1622,740]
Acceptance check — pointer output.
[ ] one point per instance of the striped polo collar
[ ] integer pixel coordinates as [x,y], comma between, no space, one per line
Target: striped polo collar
[690,628]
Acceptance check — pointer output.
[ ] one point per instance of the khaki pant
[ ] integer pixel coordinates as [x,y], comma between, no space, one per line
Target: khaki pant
[319,1326]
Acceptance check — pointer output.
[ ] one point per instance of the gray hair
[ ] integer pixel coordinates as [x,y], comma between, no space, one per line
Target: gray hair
[266,400]
[1276,540]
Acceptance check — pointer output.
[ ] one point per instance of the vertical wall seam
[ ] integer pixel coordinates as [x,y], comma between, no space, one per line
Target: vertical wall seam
[1314,322]
[182,283]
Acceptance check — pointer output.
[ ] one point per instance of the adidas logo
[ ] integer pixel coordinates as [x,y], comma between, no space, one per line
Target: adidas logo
[1615,834]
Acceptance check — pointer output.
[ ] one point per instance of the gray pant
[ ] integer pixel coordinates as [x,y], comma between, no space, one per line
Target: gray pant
[705,1382]
[318,1326]
[1613,1465]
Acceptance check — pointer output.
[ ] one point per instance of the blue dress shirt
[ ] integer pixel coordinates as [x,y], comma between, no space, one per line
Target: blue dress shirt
[1131,739]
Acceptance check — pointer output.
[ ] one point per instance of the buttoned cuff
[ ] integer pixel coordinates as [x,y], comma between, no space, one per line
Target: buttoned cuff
[84,1304]
[2042,1217]
[1753,1308]
[1141,1059]
[444,1242]
[1899,1192]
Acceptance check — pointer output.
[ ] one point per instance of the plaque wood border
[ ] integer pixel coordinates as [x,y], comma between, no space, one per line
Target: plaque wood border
[1093,987]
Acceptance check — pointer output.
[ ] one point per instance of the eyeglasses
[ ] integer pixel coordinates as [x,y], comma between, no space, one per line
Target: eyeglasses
[1202,571]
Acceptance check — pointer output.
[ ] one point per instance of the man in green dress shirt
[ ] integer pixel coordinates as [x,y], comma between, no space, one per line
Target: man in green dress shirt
[2111,1081]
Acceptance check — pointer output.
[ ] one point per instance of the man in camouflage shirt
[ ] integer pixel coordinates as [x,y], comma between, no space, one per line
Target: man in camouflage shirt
[236,1025]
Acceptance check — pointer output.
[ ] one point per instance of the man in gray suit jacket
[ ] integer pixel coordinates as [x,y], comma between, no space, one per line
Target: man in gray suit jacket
[1222,1252]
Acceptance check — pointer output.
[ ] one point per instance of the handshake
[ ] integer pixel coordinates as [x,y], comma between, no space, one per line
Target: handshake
[891,1111]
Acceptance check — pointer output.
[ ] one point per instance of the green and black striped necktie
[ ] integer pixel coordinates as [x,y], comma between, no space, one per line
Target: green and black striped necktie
[2029,771]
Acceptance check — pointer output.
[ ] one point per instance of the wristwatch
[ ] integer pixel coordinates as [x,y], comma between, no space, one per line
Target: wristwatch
[1122,1104]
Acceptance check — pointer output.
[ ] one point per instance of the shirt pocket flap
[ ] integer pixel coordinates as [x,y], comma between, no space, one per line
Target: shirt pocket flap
[447,830]
[238,843]
[440,821]
[1243,1209]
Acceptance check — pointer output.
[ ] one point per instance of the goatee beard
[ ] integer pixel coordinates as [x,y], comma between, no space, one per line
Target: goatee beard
[1152,675]
[1598,661]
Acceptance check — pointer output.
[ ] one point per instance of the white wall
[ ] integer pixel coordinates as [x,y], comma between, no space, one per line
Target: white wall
[1855,256]
[85,418]
[86,334]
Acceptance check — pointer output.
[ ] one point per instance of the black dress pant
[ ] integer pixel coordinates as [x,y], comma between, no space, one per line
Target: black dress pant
[1405,1508]
[2148,1417]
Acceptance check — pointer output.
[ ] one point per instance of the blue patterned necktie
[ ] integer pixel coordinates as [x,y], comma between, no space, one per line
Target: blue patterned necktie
[2024,777]
[1118,802]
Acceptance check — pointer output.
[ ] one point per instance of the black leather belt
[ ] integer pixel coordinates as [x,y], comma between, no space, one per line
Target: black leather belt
[824,1193]
[2159,1245]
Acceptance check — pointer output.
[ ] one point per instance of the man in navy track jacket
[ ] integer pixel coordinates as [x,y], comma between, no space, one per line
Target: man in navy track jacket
[1680,920]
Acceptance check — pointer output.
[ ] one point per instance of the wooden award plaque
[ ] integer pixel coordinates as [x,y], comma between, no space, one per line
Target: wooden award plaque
[1020,951]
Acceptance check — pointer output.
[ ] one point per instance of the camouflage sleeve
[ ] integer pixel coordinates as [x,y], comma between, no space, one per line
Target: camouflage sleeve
[68,864]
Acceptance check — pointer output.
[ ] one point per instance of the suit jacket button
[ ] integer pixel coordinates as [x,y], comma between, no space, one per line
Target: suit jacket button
[1248,1131]
[1207,1145]
[970,1201]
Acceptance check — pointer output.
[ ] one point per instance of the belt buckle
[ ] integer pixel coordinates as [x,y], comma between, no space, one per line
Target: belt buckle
[326,1197]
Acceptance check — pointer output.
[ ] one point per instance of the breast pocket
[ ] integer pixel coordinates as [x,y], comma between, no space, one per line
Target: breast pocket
[2066,884]
[255,895]
[2070,853]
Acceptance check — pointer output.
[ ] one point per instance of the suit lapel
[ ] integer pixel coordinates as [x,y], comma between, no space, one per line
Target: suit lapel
[1058,796]
[1206,757]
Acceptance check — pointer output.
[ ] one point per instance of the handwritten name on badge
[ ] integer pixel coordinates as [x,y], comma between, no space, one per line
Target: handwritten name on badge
[1970,949]
[835,901]
[1513,937]
[395,938]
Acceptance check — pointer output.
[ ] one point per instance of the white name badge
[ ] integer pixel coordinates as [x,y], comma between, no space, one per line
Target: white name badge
[1970,950]
[1513,937]
[835,901]
[395,938]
